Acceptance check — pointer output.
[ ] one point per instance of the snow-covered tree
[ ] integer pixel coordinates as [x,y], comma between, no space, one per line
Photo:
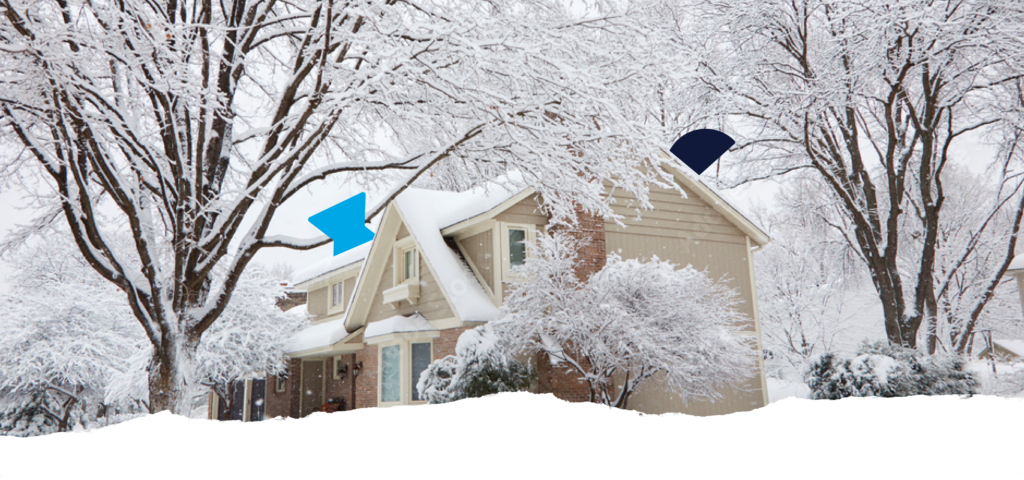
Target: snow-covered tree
[627,323]
[71,351]
[191,122]
[872,100]
[803,300]
[482,365]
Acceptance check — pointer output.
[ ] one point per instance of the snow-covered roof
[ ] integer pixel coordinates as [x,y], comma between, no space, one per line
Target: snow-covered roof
[398,324]
[317,336]
[1016,264]
[1015,346]
[425,213]
[336,262]
[453,208]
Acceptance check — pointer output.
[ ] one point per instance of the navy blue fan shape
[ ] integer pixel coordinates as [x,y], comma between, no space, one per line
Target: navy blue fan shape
[700,148]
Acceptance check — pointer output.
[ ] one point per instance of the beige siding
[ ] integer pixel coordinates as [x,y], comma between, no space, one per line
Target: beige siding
[653,398]
[525,211]
[687,231]
[350,285]
[727,261]
[674,216]
[431,303]
[480,252]
[402,232]
[317,302]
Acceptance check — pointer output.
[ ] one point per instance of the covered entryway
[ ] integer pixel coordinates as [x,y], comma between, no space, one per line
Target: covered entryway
[311,394]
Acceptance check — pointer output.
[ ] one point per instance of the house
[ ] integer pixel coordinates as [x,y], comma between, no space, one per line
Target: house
[1003,350]
[438,266]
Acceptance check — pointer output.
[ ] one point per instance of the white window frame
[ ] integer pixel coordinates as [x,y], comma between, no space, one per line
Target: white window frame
[503,228]
[404,368]
[337,296]
[402,246]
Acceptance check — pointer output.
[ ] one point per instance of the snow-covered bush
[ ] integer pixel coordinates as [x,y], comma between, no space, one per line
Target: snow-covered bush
[627,323]
[883,370]
[481,366]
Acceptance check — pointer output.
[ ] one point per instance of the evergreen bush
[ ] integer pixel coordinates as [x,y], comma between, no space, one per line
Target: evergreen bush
[883,370]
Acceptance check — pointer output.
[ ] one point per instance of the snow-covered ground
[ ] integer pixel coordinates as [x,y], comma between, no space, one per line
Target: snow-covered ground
[520,435]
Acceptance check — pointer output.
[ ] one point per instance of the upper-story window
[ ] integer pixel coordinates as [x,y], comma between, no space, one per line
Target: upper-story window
[337,295]
[408,264]
[513,246]
[516,246]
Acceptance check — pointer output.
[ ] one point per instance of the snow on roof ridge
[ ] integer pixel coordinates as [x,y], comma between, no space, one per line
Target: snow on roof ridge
[461,206]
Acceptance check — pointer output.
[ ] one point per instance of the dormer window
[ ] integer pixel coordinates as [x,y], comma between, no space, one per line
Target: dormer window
[516,247]
[407,273]
[514,238]
[408,264]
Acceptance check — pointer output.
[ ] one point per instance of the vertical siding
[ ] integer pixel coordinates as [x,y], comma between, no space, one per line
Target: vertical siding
[480,251]
[317,303]
[431,303]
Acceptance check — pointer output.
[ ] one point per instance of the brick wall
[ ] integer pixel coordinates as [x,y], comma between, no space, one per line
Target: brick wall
[366,382]
[593,255]
[286,403]
[591,258]
[341,388]
[445,344]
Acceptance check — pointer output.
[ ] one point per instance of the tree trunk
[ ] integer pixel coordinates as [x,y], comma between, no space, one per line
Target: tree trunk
[170,376]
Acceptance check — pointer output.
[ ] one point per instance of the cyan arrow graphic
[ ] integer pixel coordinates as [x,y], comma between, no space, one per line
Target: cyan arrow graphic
[700,148]
[345,223]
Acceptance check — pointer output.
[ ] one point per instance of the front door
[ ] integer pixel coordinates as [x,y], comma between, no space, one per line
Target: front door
[257,399]
[312,392]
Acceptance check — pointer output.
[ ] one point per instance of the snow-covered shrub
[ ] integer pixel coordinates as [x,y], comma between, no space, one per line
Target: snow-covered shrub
[481,366]
[628,322]
[883,370]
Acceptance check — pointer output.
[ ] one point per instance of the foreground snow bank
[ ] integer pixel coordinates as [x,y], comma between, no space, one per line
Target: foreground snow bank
[519,435]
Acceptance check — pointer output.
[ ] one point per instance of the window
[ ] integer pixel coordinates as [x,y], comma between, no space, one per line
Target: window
[408,264]
[401,364]
[390,377]
[513,239]
[279,383]
[420,361]
[516,247]
[337,294]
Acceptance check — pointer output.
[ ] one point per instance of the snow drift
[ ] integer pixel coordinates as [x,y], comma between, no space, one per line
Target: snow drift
[522,435]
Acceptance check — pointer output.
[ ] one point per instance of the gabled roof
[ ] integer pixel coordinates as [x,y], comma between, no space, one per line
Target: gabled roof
[425,213]
[428,215]
[718,200]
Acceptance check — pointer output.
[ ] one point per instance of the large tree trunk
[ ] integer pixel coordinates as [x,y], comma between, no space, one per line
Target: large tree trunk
[171,375]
